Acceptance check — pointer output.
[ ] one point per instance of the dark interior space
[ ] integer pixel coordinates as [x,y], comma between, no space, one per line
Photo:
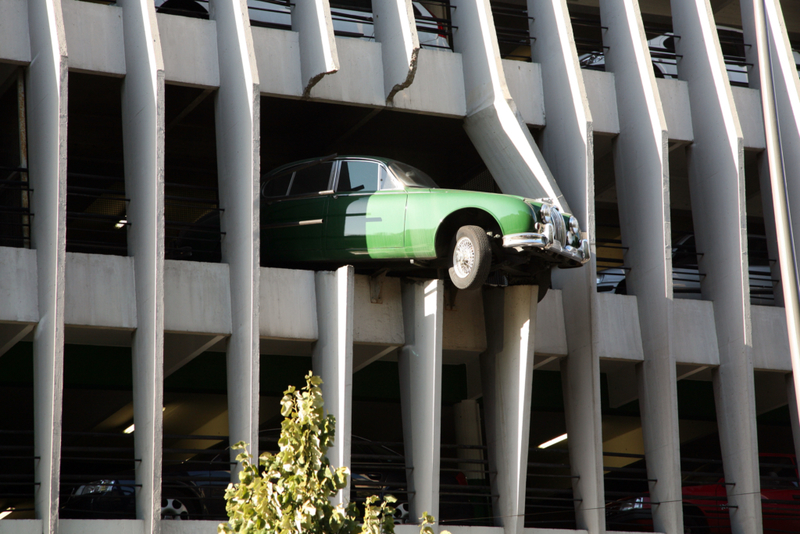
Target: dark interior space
[762,254]
[191,191]
[611,269]
[438,146]
[96,202]
[512,25]
[14,189]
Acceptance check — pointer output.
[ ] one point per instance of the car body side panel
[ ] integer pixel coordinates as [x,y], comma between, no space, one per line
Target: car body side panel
[426,209]
[292,229]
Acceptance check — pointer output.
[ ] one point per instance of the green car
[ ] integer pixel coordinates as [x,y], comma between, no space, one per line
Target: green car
[380,213]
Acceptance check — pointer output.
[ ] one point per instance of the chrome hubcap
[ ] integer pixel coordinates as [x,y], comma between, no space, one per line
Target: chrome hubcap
[463,257]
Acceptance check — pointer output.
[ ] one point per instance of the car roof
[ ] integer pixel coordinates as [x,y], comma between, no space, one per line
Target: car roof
[334,157]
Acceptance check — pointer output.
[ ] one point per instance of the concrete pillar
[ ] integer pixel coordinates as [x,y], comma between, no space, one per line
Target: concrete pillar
[716,182]
[396,30]
[641,165]
[786,90]
[332,358]
[507,378]
[47,171]
[493,124]
[318,55]
[143,146]
[567,146]
[238,160]
[420,368]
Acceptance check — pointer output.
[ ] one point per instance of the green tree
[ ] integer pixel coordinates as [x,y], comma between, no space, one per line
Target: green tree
[291,492]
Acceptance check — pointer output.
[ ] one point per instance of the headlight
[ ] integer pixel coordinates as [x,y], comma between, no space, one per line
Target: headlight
[575,232]
[545,214]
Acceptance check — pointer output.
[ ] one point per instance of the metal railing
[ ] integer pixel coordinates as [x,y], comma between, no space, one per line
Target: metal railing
[549,500]
[661,43]
[15,212]
[276,14]
[512,24]
[17,479]
[435,32]
[96,214]
[587,34]
[195,9]
[192,222]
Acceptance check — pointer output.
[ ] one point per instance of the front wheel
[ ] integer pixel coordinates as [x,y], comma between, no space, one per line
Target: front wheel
[471,258]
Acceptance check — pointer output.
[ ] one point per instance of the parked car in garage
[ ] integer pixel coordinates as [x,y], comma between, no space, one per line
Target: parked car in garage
[380,212]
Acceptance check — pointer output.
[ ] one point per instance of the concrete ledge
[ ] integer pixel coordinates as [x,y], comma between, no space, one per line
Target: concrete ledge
[101,526]
[748,107]
[525,86]
[197,297]
[288,304]
[189,527]
[14,39]
[18,290]
[695,339]
[355,82]
[278,58]
[602,95]
[770,339]
[21,526]
[189,48]
[619,333]
[551,333]
[464,327]
[94,37]
[98,291]
[438,86]
[378,322]
[677,112]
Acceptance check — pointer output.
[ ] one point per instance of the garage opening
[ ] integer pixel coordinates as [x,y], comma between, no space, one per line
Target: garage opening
[686,276]
[191,193]
[587,31]
[512,24]
[97,450]
[196,465]
[15,213]
[17,483]
[549,499]
[610,258]
[762,253]
[97,206]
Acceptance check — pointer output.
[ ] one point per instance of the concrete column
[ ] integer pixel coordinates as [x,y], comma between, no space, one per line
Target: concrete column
[642,178]
[396,30]
[47,172]
[507,378]
[420,368]
[716,182]
[318,55]
[143,145]
[238,160]
[567,146]
[493,123]
[332,358]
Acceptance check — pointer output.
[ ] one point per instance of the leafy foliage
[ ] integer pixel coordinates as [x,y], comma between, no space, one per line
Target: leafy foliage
[291,493]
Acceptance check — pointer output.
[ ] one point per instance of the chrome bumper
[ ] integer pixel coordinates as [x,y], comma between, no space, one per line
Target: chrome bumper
[529,240]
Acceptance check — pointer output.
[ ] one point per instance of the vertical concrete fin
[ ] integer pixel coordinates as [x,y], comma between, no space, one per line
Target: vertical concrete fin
[332,357]
[507,378]
[420,368]
[642,179]
[318,56]
[492,122]
[396,30]
[47,156]
[237,126]
[143,146]
[716,182]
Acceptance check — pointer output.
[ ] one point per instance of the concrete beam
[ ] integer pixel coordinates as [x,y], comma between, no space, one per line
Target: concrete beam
[420,368]
[318,55]
[46,101]
[641,164]
[11,334]
[396,30]
[143,143]
[716,182]
[238,160]
[332,358]
[180,349]
[507,378]
[493,122]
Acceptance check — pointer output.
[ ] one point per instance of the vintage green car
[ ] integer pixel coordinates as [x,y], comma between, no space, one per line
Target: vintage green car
[376,212]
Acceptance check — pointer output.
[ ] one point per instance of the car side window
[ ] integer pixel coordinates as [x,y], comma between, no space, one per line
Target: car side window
[358,176]
[277,187]
[311,179]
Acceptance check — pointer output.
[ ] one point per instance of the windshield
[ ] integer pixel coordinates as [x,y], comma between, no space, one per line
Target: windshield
[411,176]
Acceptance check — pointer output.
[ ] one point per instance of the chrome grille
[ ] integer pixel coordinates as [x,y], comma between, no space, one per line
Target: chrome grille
[559,227]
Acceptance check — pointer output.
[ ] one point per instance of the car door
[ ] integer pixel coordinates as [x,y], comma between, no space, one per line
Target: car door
[366,214]
[292,222]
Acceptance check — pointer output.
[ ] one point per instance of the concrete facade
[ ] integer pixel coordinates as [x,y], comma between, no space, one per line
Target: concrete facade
[535,126]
